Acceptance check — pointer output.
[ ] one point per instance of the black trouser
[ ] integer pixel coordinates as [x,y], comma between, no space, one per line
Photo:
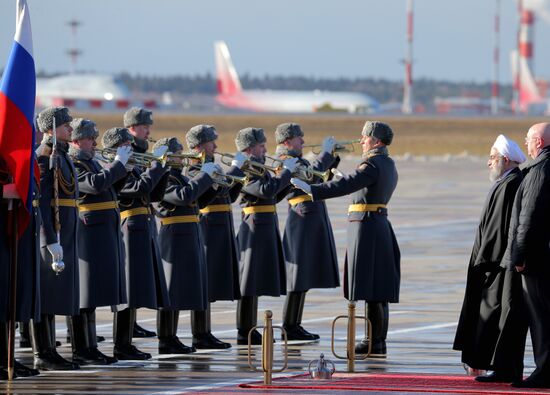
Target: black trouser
[247,313]
[536,291]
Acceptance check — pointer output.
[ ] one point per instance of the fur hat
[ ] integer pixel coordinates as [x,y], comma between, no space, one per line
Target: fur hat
[248,137]
[46,116]
[286,131]
[137,116]
[83,129]
[200,134]
[379,130]
[114,137]
[172,143]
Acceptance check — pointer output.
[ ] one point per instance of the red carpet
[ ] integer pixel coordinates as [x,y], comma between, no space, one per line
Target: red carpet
[420,383]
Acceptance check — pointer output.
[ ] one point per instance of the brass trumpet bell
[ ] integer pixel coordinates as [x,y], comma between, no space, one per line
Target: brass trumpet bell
[339,146]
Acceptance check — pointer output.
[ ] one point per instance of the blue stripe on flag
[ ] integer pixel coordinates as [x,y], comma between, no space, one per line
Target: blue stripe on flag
[19,81]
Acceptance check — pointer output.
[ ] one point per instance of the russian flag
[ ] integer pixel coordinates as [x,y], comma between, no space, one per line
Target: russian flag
[17,99]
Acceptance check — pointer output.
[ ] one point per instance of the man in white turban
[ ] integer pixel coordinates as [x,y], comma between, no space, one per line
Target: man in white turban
[492,327]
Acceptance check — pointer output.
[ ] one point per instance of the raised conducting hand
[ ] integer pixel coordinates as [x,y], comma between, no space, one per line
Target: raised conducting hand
[304,186]
[123,154]
[238,160]
[328,144]
[209,168]
[290,164]
[337,173]
[56,250]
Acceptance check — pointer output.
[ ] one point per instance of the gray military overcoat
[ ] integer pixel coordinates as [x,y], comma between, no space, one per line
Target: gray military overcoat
[262,265]
[100,245]
[181,244]
[372,268]
[308,242]
[221,246]
[59,293]
[145,280]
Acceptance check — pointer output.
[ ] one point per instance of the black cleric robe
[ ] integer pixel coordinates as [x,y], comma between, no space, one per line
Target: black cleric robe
[492,325]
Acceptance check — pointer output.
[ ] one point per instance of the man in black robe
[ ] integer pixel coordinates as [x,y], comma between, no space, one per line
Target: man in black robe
[492,327]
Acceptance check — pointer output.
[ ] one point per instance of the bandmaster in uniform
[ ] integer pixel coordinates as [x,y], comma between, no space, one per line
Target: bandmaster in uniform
[372,267]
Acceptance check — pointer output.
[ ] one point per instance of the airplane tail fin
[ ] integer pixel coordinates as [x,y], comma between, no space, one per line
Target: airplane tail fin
[226,76]
[522,76]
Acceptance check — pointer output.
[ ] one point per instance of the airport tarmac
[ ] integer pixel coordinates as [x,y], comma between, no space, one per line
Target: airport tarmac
[434,212]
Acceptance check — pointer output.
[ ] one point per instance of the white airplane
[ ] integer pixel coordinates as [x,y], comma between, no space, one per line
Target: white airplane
[232,95]
[82,90]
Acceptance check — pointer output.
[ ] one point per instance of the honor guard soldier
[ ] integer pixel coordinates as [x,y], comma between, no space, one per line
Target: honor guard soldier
[139,121]
[308,242]
[145,281]
[372,268]
[59,291]
[182,248]
[262,267]
[28,270]
[100,245]
[216,221]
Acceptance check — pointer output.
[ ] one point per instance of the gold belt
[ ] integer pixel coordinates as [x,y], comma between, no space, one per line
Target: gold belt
[66,203]
[365,207]
[259,209]
[179,219]
[134,211]
[216,208]
[300,199]
[98,206]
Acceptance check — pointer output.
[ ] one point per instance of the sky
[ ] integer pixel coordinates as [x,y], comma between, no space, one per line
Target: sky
[313,38]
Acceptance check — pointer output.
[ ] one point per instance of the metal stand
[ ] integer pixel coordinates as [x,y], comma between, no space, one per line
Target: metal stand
[267,348]
[350,339]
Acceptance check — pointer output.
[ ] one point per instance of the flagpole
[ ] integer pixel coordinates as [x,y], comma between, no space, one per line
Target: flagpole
[12,223]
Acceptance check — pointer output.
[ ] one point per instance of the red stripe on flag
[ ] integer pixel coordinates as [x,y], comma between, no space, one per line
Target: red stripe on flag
[16,150]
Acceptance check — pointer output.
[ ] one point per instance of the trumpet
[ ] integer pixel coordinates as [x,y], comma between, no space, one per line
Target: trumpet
[184,159]
[249,166]
[227,180]
[108,155]
[308,174]
[339,146]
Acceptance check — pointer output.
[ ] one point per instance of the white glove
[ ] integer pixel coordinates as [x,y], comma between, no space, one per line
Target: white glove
[337,173]
[209,168]
[123,154]
[304,186]
[239,159]
[56,250]
[290,164]
[328,144]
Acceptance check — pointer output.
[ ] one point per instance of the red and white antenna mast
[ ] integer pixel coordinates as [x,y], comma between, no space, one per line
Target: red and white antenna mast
[495,91]
[407,106]
[74,52]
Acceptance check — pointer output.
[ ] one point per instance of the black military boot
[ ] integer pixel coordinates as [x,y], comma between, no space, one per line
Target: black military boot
[93,339]
[202,334]
[24,335]
[247,318]
[139,331]
[124,324]
[43,343]
[292,317]
[378,315]
[167,327]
